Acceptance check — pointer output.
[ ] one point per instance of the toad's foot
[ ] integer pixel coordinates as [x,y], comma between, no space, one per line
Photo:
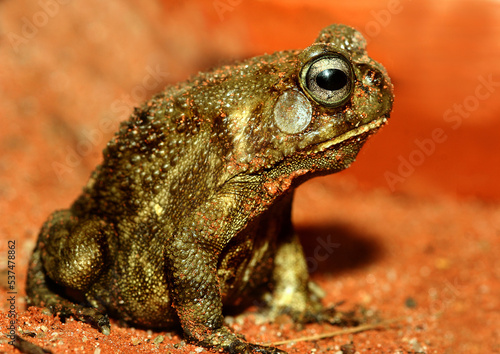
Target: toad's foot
[223,339]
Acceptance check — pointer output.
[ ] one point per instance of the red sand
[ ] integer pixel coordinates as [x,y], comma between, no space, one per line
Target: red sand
[415,221]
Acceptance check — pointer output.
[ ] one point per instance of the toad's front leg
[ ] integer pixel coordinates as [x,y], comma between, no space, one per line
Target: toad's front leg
[197,297]
[291,294]
[293,291]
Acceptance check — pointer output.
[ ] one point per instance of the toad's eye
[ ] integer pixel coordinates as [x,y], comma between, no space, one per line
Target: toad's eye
[328,79]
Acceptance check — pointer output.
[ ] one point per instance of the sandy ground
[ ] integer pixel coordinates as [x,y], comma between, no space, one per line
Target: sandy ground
[411,231]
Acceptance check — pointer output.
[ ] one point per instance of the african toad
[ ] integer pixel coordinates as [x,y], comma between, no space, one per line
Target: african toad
[190,210]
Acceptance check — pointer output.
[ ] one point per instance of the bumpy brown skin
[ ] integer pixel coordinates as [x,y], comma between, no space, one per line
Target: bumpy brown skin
[190,210]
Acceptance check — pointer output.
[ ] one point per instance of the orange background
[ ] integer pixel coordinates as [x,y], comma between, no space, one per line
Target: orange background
[418,211]
[436,53]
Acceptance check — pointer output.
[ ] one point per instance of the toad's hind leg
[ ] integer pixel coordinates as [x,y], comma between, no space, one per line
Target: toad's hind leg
[70,254]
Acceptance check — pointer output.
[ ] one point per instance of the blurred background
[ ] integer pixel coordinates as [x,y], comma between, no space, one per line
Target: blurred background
[66,67]
[416,212]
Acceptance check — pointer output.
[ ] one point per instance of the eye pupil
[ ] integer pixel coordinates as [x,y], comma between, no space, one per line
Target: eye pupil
[331,79]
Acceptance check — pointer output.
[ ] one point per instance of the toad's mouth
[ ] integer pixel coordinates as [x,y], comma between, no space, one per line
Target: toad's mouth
[373,126]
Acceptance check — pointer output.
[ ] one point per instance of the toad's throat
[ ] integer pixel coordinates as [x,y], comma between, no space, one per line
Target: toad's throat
[372,126]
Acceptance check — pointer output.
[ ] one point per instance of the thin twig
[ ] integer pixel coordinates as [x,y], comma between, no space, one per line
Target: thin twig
[361,328]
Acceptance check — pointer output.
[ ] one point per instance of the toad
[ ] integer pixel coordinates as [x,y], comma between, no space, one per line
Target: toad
[189,212]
